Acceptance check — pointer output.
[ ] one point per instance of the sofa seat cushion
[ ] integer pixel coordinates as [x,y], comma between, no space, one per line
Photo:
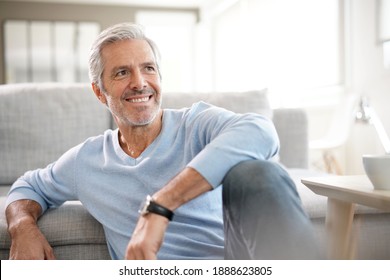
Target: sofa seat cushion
[69,228]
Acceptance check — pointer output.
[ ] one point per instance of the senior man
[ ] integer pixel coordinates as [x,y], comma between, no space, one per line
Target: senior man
[204,174]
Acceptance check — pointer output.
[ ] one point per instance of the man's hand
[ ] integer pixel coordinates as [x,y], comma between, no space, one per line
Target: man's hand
[150,229]
[147,237]
[28,242]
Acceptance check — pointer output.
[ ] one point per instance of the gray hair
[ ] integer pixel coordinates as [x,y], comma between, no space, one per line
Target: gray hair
[115,33]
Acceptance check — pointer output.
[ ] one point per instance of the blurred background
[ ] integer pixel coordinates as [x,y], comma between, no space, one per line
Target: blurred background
[320,55]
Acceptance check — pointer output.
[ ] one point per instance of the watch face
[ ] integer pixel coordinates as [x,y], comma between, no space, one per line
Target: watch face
[144,206]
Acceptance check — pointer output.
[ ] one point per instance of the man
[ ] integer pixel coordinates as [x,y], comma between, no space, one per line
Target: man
[178,157]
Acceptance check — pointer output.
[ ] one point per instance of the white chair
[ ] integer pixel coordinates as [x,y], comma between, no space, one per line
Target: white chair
[337,135]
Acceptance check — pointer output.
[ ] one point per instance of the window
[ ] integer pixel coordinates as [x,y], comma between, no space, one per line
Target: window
[46,51]
[174,34]
[289,47]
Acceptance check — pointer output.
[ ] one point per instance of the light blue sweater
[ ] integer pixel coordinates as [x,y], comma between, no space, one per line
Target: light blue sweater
[111,185]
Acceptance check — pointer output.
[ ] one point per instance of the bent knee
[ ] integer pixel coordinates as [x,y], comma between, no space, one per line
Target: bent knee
[254,168]
[256,174]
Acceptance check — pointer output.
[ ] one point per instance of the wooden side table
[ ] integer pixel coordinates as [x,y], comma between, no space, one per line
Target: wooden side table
[343,193]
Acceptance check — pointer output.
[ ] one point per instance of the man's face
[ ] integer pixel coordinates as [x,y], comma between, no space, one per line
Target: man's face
[131,82]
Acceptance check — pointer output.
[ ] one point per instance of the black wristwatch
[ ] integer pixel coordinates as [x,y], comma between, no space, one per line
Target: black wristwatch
[149,206]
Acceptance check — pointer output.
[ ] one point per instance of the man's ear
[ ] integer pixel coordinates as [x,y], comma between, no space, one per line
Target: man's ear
[99,94]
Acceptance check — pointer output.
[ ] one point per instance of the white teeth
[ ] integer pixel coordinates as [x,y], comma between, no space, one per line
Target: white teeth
[138,100]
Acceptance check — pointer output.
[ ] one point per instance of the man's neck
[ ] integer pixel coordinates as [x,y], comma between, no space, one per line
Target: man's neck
[135,139]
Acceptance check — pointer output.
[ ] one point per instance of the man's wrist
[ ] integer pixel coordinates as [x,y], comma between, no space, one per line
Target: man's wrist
[150,206]
[21,214]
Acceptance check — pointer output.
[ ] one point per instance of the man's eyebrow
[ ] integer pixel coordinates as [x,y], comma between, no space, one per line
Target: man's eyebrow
[148,63]
[121,67]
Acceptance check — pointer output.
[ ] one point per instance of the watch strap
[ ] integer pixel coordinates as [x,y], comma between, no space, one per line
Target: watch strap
[160,210]
[150,206]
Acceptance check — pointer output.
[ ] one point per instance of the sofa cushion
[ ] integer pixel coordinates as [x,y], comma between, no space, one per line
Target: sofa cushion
[292,127]
[255,101]
[40,122]
[70,229]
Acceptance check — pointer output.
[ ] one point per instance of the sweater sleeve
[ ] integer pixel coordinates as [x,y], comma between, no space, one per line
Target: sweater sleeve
[229,139]
[50,186]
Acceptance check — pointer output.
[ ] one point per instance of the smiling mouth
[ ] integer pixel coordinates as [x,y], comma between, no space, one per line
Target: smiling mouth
[138,99]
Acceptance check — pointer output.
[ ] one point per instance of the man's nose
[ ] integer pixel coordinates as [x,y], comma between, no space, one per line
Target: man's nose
[137,81]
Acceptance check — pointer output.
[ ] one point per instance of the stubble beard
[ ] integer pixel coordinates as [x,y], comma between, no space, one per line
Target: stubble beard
[136,119]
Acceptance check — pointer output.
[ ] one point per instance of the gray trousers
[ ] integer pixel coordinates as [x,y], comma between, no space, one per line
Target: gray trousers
[263,215]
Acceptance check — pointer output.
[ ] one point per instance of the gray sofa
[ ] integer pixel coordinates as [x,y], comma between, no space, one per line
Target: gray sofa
[38,122]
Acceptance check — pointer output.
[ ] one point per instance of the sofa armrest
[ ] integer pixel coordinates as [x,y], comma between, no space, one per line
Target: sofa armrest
[292,127]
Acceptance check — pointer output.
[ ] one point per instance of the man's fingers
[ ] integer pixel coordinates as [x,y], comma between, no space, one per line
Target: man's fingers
[49,254]
[139,252]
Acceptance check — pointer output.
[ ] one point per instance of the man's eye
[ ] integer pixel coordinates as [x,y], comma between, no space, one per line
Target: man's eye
[121,73]
[150,69]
